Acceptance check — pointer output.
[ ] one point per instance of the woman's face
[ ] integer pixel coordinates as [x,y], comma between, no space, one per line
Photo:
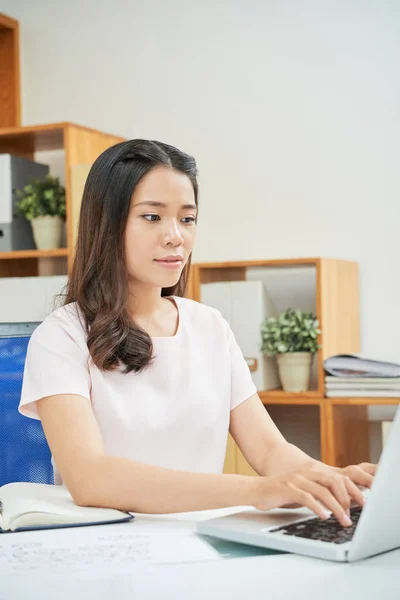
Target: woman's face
[161,228]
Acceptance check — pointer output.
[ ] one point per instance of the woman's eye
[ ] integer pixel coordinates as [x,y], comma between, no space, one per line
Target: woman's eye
[151,218]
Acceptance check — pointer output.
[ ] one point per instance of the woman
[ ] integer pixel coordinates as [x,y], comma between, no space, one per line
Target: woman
[136,386]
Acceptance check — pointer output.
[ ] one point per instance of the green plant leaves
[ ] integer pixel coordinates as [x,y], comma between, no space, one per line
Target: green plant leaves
[292,331]
[42,197]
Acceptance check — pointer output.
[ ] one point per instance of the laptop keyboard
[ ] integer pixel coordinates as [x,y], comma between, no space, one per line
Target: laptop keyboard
[329,530]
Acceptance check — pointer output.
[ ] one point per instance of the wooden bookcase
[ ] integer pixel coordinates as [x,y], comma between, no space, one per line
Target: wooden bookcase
[343,422]
[81,145]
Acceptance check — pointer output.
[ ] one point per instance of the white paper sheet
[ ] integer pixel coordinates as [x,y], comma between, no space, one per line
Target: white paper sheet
[118,547]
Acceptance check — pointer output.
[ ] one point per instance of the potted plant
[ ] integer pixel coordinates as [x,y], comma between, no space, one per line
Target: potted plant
[42,202]
[293,338]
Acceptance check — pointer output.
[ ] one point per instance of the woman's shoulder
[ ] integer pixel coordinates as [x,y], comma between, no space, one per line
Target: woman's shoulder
[67,320]
[200,314]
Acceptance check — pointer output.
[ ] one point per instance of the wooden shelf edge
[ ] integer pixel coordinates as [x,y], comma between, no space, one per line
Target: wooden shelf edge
[306,261]
[7,22]
[60,126]
[362,401]
[20,254]
[258,263]
[312,397]
[24,129]
[291,401]
[279,392]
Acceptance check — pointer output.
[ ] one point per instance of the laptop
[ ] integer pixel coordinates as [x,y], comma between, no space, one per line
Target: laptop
[375,529]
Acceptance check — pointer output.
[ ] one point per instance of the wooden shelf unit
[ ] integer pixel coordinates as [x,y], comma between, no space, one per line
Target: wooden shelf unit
[81,146]
[336,295]
[10,97]
[347,428]
[343,421]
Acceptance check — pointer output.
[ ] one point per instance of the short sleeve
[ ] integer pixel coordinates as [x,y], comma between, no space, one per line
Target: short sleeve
[242,384]
[55,364]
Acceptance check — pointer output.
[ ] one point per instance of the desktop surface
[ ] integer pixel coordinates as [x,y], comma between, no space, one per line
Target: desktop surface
[248,577]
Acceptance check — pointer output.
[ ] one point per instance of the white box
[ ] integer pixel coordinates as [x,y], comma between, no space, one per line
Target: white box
[217,295]
[6,203]
[245,304]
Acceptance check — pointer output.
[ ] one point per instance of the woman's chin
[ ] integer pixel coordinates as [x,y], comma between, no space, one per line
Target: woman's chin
[167,281]
[170,281]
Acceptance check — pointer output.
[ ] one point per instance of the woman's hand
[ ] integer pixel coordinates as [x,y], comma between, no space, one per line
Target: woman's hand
[319,487]
[362,474]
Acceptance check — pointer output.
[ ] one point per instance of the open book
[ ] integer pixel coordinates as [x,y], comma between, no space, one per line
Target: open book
[41,506]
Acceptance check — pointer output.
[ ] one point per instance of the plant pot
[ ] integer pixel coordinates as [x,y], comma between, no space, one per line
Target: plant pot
[295,370]
[47,232]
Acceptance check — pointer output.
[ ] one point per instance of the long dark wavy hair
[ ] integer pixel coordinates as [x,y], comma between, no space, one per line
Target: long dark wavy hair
[98,282]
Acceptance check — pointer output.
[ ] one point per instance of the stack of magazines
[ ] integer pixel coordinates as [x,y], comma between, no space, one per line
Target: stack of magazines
[349,375]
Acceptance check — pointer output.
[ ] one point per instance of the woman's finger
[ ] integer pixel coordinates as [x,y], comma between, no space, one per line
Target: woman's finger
[354,492]
[306,499]
[323,494]
[358,475]
[338,487]
[368,467]
[336,482]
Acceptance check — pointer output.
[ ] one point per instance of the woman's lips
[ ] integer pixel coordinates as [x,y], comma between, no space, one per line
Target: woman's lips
[170,264]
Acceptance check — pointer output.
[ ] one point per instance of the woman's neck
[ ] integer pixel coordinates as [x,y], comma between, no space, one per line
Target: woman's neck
[144,302]
[151,312]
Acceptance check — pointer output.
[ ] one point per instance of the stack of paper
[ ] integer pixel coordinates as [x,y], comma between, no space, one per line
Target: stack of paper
[349,375]
[352,365]
[362,387]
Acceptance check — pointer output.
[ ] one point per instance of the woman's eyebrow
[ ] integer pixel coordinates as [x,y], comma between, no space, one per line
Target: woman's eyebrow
[162,205]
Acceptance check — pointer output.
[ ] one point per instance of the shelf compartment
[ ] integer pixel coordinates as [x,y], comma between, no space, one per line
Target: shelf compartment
[81,146]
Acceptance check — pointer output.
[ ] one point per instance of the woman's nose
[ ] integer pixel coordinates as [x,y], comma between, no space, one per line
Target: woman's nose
[173,234]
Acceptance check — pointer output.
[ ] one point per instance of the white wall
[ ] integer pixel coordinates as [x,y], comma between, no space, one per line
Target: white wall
[291,108]
[30,299]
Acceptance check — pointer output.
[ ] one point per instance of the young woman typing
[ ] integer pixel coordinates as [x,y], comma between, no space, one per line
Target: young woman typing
[137,386]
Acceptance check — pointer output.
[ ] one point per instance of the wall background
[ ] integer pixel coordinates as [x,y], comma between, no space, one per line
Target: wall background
[290,107]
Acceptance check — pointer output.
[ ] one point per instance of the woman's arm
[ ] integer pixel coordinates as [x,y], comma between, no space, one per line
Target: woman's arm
[96,479]
[267,451]
[261,441]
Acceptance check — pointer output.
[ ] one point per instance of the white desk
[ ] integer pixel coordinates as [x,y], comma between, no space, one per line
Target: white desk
[274,577]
